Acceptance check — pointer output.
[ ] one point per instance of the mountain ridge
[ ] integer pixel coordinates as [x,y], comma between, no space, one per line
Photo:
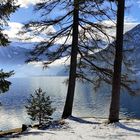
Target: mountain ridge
[15,55]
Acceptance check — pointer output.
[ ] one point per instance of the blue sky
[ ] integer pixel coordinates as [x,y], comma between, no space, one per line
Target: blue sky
[22,15]
[26,13]
[133,10]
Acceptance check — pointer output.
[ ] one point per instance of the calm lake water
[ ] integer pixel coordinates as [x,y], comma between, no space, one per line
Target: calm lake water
[87,103]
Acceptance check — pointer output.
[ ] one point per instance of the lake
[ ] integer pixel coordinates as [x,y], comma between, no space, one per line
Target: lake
[87,103]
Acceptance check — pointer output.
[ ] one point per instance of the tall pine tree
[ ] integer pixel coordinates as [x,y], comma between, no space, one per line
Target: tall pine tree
[115,101]
[73,64]
[97,66]
[6,8]
[76,29]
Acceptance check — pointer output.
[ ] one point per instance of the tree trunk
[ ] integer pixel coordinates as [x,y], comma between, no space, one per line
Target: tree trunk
[73,64]
[40,119]
[115,101]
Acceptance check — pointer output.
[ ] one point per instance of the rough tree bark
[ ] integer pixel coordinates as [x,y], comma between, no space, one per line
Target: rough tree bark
[73,64]
[115,101]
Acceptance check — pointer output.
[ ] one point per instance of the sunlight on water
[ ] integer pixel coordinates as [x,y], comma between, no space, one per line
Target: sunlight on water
[87,103]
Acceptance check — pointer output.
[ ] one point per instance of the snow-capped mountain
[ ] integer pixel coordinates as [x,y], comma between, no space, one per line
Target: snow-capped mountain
[132,41]
[15,53]
[131,49]
[13,57]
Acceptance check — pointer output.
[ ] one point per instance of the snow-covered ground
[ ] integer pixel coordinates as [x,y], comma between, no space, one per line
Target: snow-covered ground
[85,129]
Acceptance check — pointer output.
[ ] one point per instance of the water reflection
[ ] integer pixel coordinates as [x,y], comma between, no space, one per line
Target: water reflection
[87,103]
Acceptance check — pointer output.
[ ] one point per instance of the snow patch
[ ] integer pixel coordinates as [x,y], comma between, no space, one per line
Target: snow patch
[86,129]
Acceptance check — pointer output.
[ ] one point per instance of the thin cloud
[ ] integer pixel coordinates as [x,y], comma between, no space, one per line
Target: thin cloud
[130,19]
[138,2]
[13,30]
[27,3]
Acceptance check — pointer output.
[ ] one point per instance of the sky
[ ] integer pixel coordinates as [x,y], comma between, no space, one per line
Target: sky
[25,13]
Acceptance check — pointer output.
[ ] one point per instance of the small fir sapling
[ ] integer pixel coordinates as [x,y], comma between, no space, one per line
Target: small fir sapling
[39,107]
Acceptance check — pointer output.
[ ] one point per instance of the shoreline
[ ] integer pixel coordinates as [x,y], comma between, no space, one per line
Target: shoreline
[82,128]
